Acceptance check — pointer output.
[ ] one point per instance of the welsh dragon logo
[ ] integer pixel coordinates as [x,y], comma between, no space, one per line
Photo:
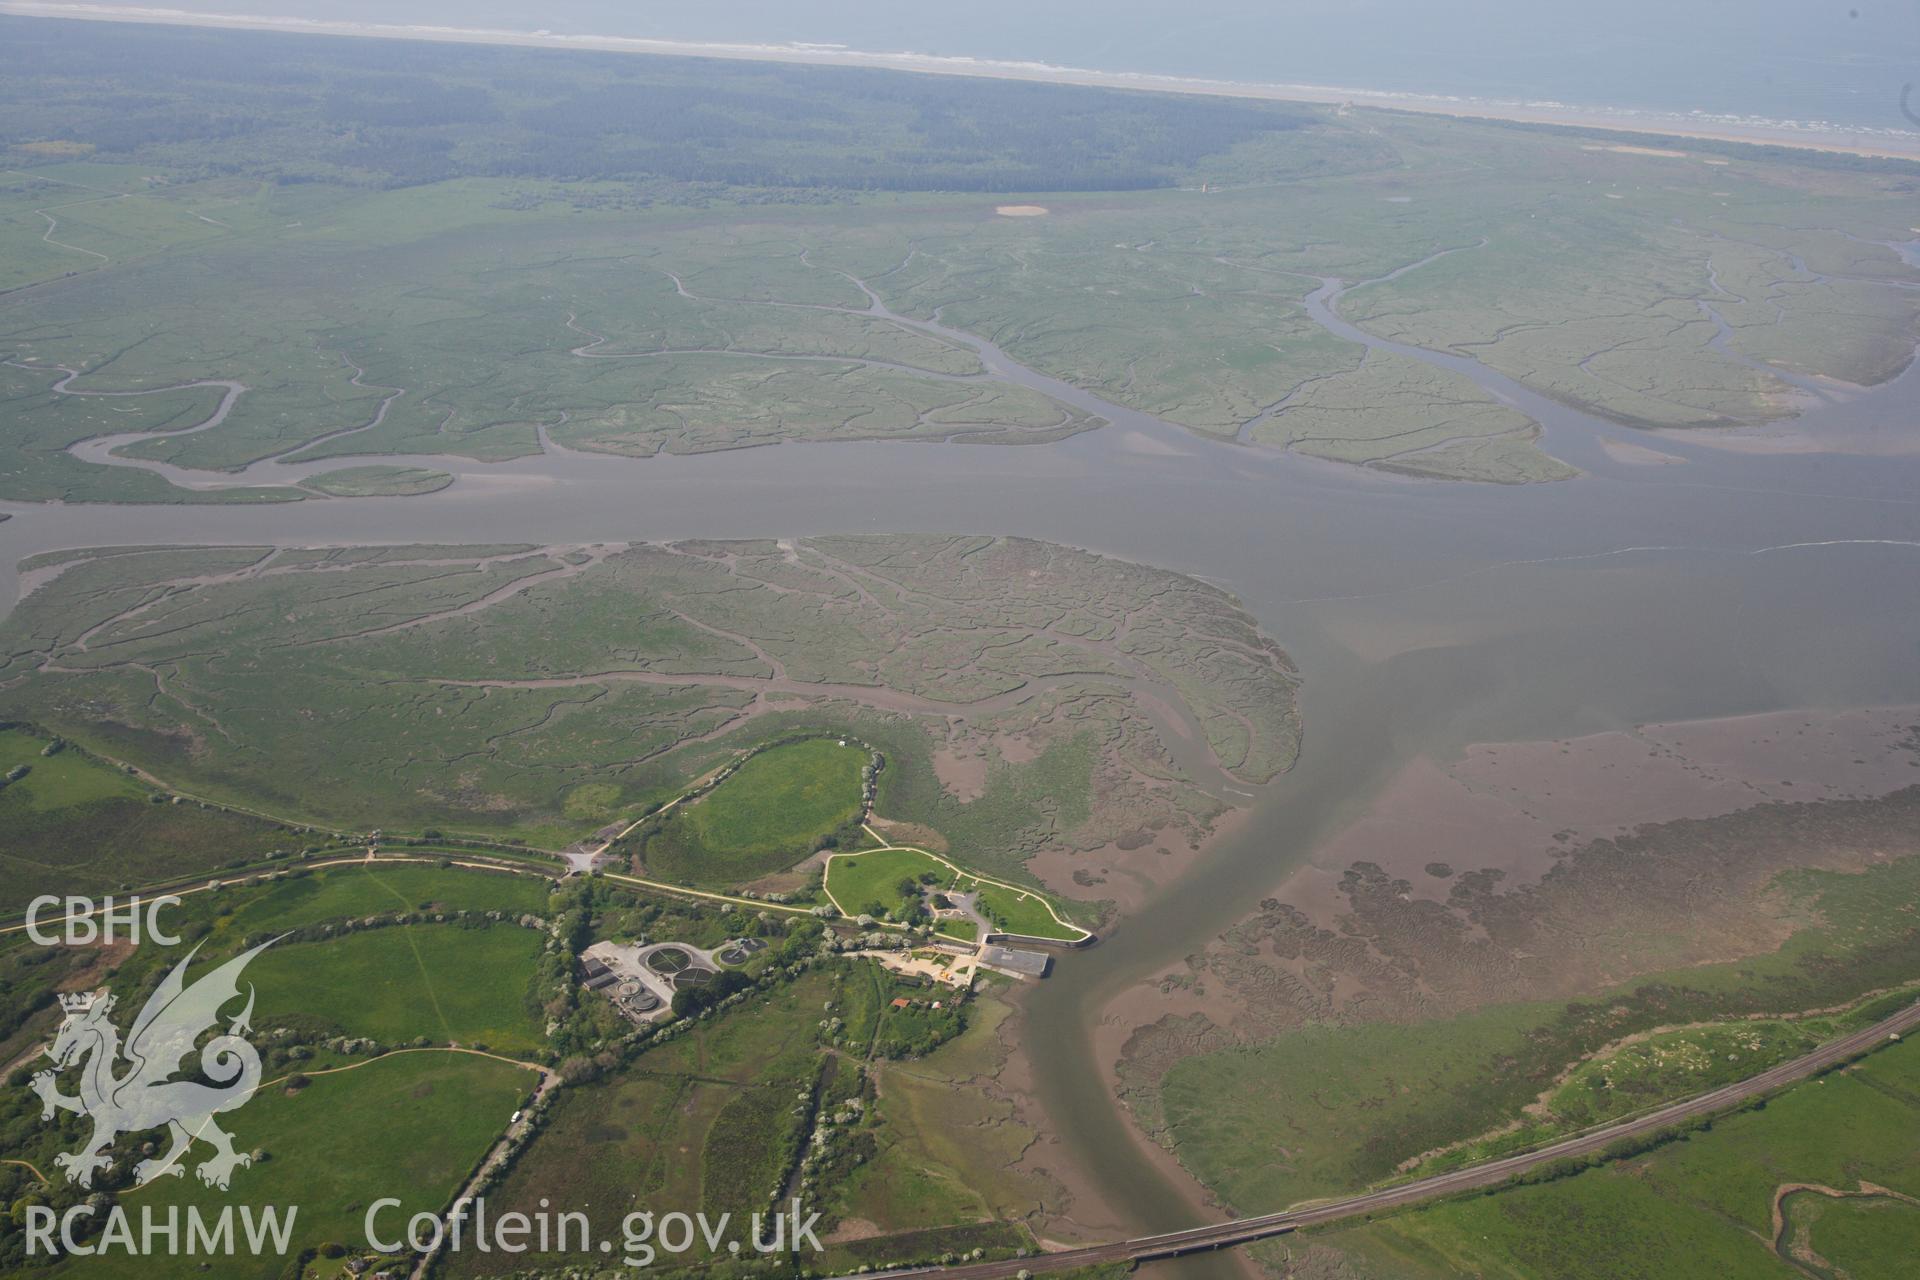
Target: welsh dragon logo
[144,1096]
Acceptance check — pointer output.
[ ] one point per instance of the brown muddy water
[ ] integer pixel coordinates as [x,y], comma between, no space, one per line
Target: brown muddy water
[1424,615]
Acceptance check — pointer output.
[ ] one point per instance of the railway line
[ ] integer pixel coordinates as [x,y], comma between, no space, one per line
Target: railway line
[1223,1235]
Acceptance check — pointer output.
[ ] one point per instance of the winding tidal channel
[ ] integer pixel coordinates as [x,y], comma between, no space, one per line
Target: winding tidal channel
[1424,615]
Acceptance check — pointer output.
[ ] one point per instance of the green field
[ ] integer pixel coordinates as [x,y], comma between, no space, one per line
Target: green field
[715,1117]
[221,924]
[1021,911]
[76,825]
[857,881]
[771,813]
[1707,1200]
[455,985]
[410,1126]
[64,780]
[860,882]
[358,890]
[964,930]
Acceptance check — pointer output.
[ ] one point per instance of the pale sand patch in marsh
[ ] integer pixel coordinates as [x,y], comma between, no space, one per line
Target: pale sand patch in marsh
[963,776]
[1639,455]
[1639,151]
[1021,210]
[1141,443]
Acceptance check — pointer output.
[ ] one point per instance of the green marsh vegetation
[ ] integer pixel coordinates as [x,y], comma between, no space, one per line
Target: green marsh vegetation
[379,482]
[542,694]
[1396,413]
[1708,1198]
[934,1144]
[449,251]
[1361,1098]
[311,111]
[75,824]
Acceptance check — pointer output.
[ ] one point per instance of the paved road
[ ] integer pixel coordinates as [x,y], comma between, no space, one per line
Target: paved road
[1242,1230]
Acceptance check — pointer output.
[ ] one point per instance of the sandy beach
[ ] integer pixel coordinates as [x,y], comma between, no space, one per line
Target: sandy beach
[1891,144]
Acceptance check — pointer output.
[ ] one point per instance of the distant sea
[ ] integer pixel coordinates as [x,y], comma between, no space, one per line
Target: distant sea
[1799,60]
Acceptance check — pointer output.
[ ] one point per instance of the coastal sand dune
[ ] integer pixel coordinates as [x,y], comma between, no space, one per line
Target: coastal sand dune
[1822,137]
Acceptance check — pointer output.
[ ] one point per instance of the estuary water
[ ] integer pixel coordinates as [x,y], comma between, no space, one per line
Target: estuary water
[1424,615]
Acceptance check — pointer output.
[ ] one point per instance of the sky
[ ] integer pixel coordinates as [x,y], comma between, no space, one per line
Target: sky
[1785,59]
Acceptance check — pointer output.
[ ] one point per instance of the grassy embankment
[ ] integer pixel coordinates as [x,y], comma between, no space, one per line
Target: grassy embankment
[1702,1205]
[1360,1101]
